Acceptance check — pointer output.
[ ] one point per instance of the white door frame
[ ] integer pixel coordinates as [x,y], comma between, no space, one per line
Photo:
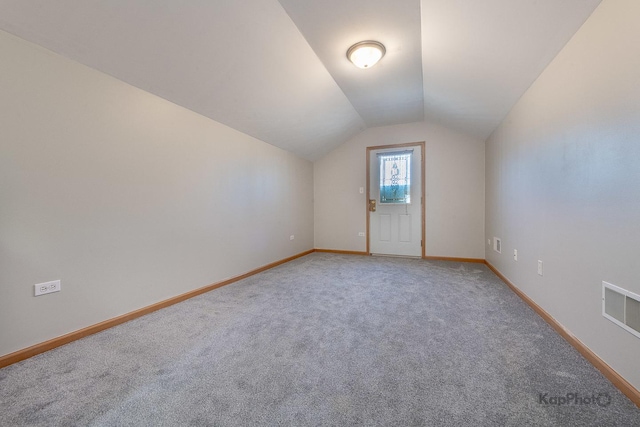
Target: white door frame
[422,195]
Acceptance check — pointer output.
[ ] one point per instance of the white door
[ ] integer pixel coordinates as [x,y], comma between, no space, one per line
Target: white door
[395,226]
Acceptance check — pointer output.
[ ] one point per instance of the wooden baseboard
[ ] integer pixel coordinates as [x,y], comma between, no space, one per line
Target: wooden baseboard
[28,352]
[430,258]
[616,379]
[335,251]
[445,258]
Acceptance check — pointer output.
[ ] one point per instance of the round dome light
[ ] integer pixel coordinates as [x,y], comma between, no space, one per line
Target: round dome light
[366,54]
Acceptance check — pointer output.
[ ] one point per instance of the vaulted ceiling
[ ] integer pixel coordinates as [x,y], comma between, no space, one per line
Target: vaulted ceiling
[277,70]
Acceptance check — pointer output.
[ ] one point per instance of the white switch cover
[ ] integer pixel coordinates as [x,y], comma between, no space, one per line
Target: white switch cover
[540,267]
[361,234]
[292,237]
[361,190]
[515,254]
[47,288]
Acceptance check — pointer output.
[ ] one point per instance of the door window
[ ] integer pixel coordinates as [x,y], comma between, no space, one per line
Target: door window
[395,177]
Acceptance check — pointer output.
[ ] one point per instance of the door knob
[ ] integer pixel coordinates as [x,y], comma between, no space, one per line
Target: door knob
[372,205]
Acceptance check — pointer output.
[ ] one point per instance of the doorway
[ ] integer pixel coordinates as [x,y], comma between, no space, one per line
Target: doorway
[395,200]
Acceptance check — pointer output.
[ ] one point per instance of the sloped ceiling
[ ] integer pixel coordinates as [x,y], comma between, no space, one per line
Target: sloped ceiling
[278,70]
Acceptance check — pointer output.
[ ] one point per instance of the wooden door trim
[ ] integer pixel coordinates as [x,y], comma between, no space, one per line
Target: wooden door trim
[422,190]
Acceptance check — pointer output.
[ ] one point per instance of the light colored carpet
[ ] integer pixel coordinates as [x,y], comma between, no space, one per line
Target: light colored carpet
[323,340]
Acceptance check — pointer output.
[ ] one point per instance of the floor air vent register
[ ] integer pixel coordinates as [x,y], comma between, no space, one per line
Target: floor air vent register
[621,307]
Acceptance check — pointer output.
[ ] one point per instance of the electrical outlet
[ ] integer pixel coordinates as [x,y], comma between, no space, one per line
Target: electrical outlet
[361,234]
[489,242]
[47,288]
[515,254]
[540,267]
[292,237]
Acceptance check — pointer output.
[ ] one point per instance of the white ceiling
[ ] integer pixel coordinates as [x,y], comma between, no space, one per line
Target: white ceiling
[480,56]
[278,70]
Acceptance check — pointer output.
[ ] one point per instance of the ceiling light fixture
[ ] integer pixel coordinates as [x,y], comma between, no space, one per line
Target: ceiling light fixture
[366,54]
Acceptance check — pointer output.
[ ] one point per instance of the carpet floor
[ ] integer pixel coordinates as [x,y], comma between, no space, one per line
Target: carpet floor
[324,340]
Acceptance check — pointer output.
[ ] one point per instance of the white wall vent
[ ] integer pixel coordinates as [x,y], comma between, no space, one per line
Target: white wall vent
[621,307]
[497,245]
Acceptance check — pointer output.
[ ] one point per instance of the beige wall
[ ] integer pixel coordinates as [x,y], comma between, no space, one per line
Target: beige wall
[125,197]
[454,190]
[563,182]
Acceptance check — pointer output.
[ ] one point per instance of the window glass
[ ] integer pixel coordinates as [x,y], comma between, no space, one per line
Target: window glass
[395,178]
